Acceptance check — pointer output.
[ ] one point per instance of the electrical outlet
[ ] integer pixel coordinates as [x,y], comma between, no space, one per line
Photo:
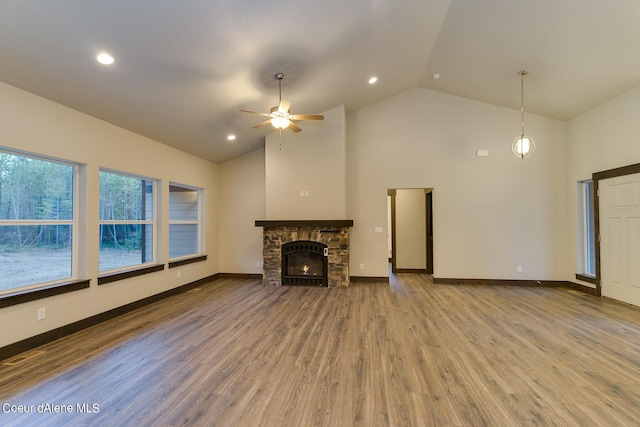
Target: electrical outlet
[519,269]
[361,266]
[258,264]
[42,313]
[179,273]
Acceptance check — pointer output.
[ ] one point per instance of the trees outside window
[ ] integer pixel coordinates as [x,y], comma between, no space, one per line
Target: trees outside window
[127,225]
[37,221]
[184,221]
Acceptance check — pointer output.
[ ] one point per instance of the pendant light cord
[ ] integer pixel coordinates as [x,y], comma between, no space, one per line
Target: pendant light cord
[522,74]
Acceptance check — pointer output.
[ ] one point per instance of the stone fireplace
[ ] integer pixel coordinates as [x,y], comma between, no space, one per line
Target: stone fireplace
[306,252]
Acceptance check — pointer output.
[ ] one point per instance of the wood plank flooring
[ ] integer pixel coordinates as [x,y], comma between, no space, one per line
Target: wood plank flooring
[407,353]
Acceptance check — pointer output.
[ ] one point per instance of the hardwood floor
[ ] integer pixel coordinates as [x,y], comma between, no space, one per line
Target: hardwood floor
[408,353]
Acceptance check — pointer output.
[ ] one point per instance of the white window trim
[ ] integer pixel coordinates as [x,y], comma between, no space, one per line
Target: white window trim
[584,232]
[152,222]
[73,222]
[198,221]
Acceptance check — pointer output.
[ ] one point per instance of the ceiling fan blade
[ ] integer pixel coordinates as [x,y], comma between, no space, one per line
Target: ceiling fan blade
[294,127]
[307,117]
[259,125]
[284,106]
[254,112]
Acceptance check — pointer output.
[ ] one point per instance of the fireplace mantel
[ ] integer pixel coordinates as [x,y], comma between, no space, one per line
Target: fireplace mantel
[305,223]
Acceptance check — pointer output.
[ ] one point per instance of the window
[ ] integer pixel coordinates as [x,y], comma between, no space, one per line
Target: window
[587,234]
[184,221]
[127,225]
[37,221]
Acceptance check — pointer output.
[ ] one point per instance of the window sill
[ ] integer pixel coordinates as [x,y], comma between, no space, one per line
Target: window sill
[43,292]
[586,278]
[185,261]
[121,275]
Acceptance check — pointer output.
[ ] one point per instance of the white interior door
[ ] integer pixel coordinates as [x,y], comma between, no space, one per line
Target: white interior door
[620,238]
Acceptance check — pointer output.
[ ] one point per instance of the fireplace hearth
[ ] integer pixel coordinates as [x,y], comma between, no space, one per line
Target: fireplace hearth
[305,252]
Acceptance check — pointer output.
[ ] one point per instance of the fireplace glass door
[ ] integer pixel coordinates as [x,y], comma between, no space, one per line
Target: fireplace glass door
[304,263]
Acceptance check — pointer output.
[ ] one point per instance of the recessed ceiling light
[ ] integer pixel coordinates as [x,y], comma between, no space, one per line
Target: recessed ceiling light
[231,137]
[435,76]
[105,58]
[372,80]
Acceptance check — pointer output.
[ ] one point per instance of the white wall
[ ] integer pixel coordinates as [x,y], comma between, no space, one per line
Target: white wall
[606,137]
[241,203]
[311,161]
[491,214]
[411,230]
[33,124]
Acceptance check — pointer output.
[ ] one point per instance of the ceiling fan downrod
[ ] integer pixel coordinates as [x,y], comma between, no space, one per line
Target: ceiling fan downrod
[279,77]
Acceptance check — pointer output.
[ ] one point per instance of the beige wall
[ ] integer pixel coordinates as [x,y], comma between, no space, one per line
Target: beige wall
[491,214]
[33,124]
[411,230]
[312,161]
[603,138]
[241,202]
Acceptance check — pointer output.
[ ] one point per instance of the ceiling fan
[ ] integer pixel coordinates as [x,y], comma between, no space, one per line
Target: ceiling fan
[280,116]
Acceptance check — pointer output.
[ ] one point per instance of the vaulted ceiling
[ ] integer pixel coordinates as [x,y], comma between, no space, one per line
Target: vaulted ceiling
[183,68]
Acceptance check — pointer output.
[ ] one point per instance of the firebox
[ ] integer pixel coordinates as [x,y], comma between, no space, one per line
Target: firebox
[304,262]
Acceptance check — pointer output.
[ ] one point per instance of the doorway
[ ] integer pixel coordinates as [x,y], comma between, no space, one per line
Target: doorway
[410,212]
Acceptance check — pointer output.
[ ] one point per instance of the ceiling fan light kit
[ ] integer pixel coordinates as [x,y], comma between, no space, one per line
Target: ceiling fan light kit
[523,145]
[280,116]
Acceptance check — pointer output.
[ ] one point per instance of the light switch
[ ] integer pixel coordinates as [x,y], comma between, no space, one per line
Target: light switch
[378,229]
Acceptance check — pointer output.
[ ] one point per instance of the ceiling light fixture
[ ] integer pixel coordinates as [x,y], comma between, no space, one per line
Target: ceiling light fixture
[280,116]
[372,80]
[231,137]
[523,145]
[105,58]
[279,122]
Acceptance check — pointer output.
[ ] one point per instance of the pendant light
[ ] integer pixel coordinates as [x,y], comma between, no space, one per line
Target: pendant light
[523,145]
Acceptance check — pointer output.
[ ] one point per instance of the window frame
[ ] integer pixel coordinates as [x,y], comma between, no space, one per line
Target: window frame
[107,276]
[586,231]
[73,223]
[199,255]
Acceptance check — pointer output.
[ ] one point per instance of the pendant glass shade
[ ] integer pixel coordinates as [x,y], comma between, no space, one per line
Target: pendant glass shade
[523,146]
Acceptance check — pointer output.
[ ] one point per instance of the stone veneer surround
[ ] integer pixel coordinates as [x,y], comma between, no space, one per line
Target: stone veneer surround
[333,233]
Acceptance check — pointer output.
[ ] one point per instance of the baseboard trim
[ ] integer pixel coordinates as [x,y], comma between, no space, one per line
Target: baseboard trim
[49,336]
[411,271]
[525,283]
[585,289]
[239,276]
[500,282]
[369,279]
